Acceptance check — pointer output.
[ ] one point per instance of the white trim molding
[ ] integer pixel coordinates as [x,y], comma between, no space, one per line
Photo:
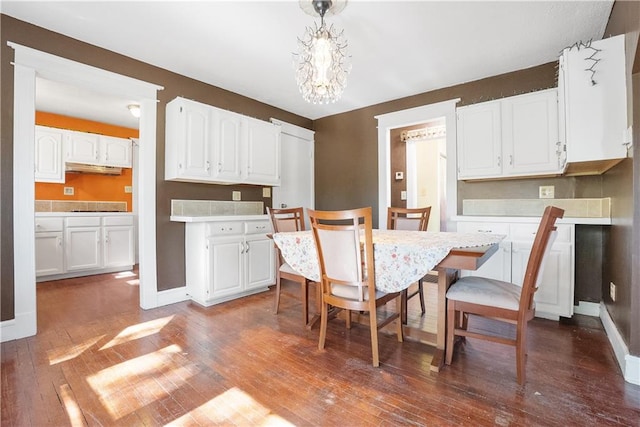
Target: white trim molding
[630,365]
[28,64]
[172,296]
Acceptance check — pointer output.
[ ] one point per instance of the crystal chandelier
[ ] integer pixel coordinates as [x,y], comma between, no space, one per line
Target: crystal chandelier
[322,63]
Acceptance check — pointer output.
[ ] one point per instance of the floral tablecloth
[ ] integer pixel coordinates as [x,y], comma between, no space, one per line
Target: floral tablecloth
[401,257]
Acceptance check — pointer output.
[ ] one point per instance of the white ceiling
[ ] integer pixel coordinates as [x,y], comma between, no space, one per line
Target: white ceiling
[398,48]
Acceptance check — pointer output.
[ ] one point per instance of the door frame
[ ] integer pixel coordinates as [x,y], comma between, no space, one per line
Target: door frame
[410,117]
[28,64]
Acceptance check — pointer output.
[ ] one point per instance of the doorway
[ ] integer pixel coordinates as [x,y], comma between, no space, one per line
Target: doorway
[29,64]
[399,119]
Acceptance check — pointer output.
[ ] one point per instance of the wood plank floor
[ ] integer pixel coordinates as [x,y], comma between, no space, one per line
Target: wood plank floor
[100,360]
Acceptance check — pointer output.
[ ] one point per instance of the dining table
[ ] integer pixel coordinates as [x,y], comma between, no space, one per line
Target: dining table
[401,258]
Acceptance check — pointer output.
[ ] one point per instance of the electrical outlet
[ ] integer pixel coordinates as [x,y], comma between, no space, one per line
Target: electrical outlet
[612,291]
[68,191]
[128,189]
[266,191]
[546,192]
[236,195]
[403,195]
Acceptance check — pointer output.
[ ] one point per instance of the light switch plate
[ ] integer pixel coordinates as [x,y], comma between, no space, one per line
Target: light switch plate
[266,191]
[128,189]
[68,191]
[546,192]
[403,195]
[235,196]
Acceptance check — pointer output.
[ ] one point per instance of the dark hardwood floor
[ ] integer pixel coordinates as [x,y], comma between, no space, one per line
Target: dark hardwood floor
[98,359]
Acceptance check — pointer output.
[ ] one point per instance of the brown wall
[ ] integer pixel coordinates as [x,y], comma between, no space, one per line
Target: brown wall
[622,184]
[170,236]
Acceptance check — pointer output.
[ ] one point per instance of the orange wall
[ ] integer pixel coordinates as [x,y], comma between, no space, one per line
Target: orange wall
[87,187]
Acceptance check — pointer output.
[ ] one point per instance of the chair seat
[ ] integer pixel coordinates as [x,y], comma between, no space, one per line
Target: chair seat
[485,291]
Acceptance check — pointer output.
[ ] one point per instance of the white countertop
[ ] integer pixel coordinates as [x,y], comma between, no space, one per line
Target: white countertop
[46,214]
[525,219]
[217,218]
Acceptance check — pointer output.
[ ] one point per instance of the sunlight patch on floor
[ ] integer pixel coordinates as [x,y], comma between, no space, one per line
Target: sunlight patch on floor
[133,384]
[125,274]
[71,406]
[233,407]
[138,331]
[62,354]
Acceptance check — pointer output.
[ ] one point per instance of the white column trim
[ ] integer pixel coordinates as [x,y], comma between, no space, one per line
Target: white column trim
[630,365]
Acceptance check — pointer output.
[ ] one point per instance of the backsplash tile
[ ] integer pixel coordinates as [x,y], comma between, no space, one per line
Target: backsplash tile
[574,208]
[215,208]
[75,205]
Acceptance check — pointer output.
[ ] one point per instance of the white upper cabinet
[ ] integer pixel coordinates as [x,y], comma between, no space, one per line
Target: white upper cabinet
[49,166]
[188,132]
[593,98]
[94,149]
[510,137]
[211,145]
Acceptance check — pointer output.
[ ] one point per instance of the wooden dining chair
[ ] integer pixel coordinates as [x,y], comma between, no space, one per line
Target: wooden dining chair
[500,300]
[283,220]
[415,219]
[345,253]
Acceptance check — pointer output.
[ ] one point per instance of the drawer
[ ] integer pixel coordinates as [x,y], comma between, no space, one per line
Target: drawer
[49,224]
[527,232]
[224,228]
[117,220]
[258,227]
[483,227]
[83,221]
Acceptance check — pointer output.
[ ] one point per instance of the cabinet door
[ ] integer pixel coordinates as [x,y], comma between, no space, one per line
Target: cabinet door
[82,246]
[82,147]
[49,166]
[530,142]
[228,143]
[226,258]
[118,246]
[49,253]
[479,141]
[595,104]
[555,293]
[260,261]
[115,151]
[263,153]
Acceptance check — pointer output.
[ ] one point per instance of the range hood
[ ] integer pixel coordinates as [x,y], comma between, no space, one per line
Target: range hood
[85,168]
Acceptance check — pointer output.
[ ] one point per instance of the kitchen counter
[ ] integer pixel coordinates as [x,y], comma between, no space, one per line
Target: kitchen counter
[216,218]
[529,219]
[49,214]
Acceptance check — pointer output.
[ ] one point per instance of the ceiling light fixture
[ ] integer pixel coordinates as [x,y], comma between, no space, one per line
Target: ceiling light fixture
[322,63]
[134,109]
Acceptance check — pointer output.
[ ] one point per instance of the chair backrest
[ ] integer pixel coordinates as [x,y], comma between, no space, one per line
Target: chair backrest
[415,219]
[345,250]
[541,246]
[289,219]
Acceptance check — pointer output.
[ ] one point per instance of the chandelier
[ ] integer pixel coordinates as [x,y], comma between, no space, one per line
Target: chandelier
[322,63]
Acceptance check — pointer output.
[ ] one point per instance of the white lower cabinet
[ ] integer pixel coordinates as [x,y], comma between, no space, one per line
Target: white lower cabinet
[554,297]
[228,260]
[70,246]
[49,246]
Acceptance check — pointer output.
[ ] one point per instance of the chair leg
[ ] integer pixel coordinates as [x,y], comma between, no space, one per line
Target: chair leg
[404,299]
[521,352]
[421,294]
[451,325]
[277,301]
[348,319]
[399,308]
[324,314]
[373,326]
[304,291]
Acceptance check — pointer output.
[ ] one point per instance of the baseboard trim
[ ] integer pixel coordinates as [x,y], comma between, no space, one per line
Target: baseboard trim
[587,308]
[629,364]
[22,326]
[172,296]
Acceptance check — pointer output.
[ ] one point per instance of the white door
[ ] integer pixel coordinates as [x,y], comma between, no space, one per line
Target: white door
[48,154]
[118,246]
[260,262]
[83,248]
[297,168]
[49,253]
[226,257]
